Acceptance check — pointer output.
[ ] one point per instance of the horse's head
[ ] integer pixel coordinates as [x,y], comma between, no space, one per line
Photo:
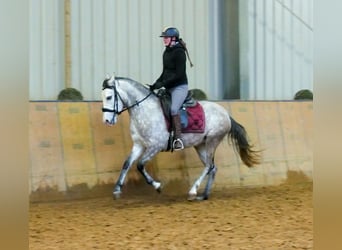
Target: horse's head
[120,94]
[112,104]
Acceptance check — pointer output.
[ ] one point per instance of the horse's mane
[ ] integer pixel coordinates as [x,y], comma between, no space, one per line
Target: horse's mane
[137,85]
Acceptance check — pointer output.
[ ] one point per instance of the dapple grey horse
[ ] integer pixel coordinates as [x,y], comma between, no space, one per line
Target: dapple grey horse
[150,134]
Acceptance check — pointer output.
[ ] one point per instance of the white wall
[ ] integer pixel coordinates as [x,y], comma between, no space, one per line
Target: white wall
[276,39]
[46,49]
[123,37]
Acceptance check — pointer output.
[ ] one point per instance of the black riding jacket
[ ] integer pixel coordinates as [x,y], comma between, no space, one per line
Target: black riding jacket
[174,67]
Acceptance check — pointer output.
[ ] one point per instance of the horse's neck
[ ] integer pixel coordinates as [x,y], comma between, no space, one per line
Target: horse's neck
[146,100]
[138,96]
[146,108]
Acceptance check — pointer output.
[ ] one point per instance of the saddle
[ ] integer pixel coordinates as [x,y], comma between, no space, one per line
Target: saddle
[191,113]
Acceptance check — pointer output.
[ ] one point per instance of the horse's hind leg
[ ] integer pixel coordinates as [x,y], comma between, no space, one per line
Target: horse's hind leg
[211,178]
[193,191]
[206,152]
[206,155]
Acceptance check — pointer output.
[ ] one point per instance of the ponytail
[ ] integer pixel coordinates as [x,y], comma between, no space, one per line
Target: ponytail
[186,50]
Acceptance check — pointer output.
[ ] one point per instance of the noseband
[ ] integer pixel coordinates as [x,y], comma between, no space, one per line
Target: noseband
[116,101]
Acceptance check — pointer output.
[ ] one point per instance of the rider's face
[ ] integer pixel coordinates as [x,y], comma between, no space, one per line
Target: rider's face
[167,40]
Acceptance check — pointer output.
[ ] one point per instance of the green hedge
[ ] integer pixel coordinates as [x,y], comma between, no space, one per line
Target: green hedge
[70,94]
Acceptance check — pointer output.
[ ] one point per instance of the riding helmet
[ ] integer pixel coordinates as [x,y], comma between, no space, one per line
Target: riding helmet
[170,32]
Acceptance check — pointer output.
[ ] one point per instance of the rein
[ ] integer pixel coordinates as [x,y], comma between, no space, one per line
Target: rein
[134,104]
[116,95]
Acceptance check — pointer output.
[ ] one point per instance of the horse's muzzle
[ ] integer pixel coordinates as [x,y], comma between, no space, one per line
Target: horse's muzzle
[110,121]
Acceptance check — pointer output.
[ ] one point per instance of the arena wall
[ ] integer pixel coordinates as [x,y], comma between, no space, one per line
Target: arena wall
[73,155]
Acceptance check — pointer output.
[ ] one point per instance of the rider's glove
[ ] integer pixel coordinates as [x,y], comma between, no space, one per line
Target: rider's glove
[156,85]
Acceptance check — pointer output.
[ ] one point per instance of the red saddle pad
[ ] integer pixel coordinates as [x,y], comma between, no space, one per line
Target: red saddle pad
[196,120]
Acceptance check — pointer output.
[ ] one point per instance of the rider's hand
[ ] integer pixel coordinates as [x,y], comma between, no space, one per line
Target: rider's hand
[151,87]
[157,85]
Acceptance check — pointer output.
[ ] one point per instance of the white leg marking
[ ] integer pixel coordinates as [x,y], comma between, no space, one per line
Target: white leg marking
[193,190]
[156,184]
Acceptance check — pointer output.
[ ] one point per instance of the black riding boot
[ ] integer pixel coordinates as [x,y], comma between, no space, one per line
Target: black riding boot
[177,130]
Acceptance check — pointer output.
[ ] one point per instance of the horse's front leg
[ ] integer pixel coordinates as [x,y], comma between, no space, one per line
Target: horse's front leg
[148,155]
[135,154]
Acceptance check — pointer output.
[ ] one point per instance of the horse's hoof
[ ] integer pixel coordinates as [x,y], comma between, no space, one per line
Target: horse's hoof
[202,198]
[192,197]
[159,189]
[116,195]
[158,186]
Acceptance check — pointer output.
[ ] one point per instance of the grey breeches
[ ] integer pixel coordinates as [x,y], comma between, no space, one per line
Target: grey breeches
[178,95]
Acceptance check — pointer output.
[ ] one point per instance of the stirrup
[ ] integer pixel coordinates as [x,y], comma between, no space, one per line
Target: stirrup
[175,143]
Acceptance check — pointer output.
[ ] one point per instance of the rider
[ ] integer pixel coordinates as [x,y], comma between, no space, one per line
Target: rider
[174,78]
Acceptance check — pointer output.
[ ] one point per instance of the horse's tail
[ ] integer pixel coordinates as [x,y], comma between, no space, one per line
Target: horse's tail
[238,137]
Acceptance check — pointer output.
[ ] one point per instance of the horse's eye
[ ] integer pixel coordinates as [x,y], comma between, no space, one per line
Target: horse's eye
[109,98]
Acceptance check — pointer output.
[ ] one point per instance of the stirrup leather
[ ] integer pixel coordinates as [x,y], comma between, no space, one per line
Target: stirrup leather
[175,143]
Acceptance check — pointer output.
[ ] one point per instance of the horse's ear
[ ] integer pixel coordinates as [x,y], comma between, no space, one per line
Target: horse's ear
[112,78]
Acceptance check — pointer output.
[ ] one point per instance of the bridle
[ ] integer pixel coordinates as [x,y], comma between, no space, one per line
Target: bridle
[115,109]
